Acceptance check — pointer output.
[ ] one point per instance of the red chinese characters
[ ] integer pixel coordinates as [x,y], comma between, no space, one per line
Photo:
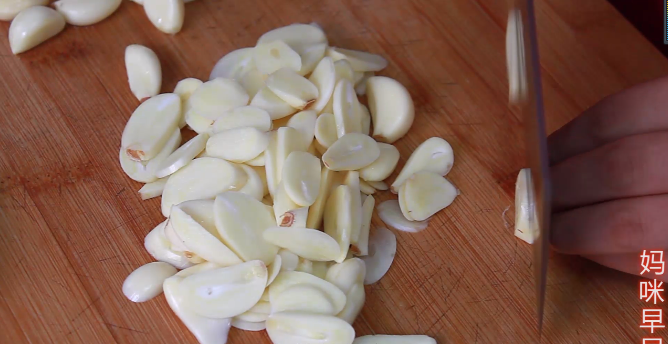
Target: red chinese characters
[650,291]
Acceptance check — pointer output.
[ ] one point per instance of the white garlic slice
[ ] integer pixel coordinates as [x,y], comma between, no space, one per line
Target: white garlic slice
[347,274]
[394,339]
[294,218]
[159,247]
[299,37]
[289,260]
[402,203]
[10,8]
[144,171]
[292,88]
[166,15]
[198,123]
[260,170]
[308,243]
[525,210]
[325,130]
[390,213]
[303,298]
[304,122]
[433,155]
[203,178]
[270,167]
[363,113]
[360,61]
[352,179]
[252,81]
[150,126]
[282,202]
[366,188]
[144,72]
[217,96]
[380,185]
[233,65]
[391,108]
[360,86]
[288,140]
[306,328]
[238,144]
[288,279]
[146,281]
[383,166]
[272,56]
[382,248]
[258,313]
[355,299]
[311,56]
[362,246]
[225,292]
[267,100]
[427,193]
[176,244]
[254,186]
[248,326]
[344,71]
[32,26]
[152,189]
[244,116]
[86,12]
[301,178]
[258,161]
[316,211]
[324,78]
[346,114]
[182,156]
[338,218]
[185,89]
[241,220]
[352,151]
[274,269]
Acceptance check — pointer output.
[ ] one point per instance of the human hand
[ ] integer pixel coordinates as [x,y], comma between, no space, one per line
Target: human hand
[609,170]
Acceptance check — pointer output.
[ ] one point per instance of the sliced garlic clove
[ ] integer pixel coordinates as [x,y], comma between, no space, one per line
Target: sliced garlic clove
[427,193]
[238,144]
[288,141]
[303,298]
[324,78]
[391,108]
[360,85]
[272,56]
[383,166]
[182,156]
[86,12]
[267,100]
[225,292]
[274,269]
[150,126]
[352,179]
[282,202]
[292,88]
[233,65]
[252,81]
[166,15]
[215,97]
[240,220]
[289,260]
[304,122]
[389,339]
[144,171]
[308,243]
[352,151]
[362,246]
[258,313]
[152,189]
[390,213]
[263,177]
[176,244]
[248,326]
[366,188]
[365,117]
[270,167]
[197,269]
[193,222]
[244,116]
[298,36]
[347,274]
[9,9]
[338,218]
[146,281]
[258,161]
[198,123]
[359,60]
[343,71]
[32,26]
[316,211]
[311,56]
[355,299]
[306,328]
[346,114]
[382,186]
[305,265]
[143,69]
[382,248]
[254,186]
[525,215]
[289,279]
[203,178]
[158,246]
[325,130]
[301,178]
[402,203]
[185,89]
[433,155]
[294,218]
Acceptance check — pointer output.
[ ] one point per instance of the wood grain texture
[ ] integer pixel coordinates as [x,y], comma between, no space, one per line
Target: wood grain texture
[72,225]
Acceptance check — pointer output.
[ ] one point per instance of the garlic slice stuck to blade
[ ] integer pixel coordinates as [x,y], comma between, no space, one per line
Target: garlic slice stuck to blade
[143,69]
[382,248]
[32,26]
[433,155]
[525,211]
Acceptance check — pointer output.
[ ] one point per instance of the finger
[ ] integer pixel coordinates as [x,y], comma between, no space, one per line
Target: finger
[620,226]
[626,262]
[637,110]
[629,167]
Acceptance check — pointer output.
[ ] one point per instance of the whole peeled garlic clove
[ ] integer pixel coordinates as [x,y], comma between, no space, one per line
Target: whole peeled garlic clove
[308,243]
[383,166]
[86,12]
[390,213]
[388,339]
[292,88]
[152,189]
[150,126]
[276,107]
[289,279]
[182,156]
[215,97]
[360,61]
[306,328]
[338,218]
[391,108]
[243,116]
[324,78]
[433,155]
[355,299]
[145,283]
[352,151]
[382,249]
[32,26]
[238,144]
[525,211]
[427,193]
[233,65]
[272,56]
[10,8]
[143,69]
[303,298]
[166,15]
[301,178]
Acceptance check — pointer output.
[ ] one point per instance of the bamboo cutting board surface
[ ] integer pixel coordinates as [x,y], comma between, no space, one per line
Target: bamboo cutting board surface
[72,224]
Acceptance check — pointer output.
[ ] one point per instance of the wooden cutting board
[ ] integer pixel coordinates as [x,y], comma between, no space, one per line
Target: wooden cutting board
[72,224]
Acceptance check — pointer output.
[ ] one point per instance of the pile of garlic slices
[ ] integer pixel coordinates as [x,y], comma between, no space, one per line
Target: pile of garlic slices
[269,207]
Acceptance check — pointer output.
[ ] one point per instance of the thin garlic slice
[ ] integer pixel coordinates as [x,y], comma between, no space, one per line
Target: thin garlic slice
[143,69]
[254,186]
[294,218]
[159,247]
[248,326]
[258,161]
[338,218]
[152,189]
[347,274]
[355,299]
[362,246]
[525,210]
[303,298]
[352,151]
[360,61]
[244,116]
[390,213]
[382,186]
[324,78]
[352,179]
[225,292]
[308,243]
[316,211]
[203,178]
[301,178]
[215,97]
[344,71]
[288,141]
[182,156]
[144,171]
[184,89]
[276,107]
[391,108]
[145,283]
[325,130]
[10,8]
[292,88]
[298,36]
[311,56]
[198,123]
[383,166]
[274,269]
[32,26]
[166,15]
[304,122]
[366,188]
[363,113]
[394,339]
[258,313]
[150,126]
[346,114]
[86,12]
[382,249]
[433,155]
[272,56]
[238,144]
[360,86]
[282,202]
[427,193]
[253,81]
[233,65]
[402,203]
[270,167]
[288,279]
[241,220]
[306,328]
[263,177]
[289,260]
